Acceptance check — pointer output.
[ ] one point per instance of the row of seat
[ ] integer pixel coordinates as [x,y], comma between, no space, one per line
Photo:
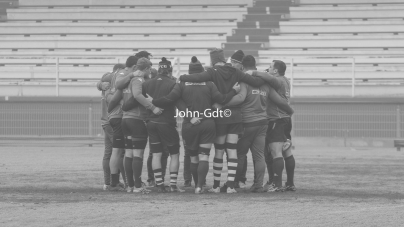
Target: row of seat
[347,2]
[116,29]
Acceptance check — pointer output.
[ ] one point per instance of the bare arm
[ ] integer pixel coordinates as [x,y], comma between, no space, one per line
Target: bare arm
[280,102]
[240,97]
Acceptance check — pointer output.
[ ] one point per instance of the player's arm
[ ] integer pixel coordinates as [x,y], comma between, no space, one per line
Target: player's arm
[122,81]
[180,104]
[137,92]
[249,79]
[280,102]
[219,97]
[198,77]
[105,82]
[273,81]
[169,99]
[240,97]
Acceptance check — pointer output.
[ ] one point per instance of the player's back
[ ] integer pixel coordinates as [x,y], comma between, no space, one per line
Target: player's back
[273,111]
[197,96]
[255,104]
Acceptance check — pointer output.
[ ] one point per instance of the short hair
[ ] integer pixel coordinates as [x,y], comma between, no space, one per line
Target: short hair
[118,66]
[248,61]
[143,54]
[280,66]
[131,61]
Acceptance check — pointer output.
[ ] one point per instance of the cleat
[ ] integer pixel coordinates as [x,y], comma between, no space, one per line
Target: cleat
[129,189]
[214,190]
[255,189]
[286,145]
[141,190]
[242,185]
[106,187]
[122,185]
[198,190]
[187,184]
[236,185]
[174,188]
[161,189]
[290,188]
[143,185]
[269,186]
[231,190]
[151,183]
[223,188]
[116,189]
[276,189]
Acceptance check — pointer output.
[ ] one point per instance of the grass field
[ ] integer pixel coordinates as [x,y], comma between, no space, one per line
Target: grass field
[61,186]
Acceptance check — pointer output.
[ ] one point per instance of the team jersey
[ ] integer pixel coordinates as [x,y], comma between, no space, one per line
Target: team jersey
[273,111]
[195,97]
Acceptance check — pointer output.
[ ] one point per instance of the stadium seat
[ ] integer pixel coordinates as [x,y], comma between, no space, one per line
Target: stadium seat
[346,2]
[131,3]
[116,29]
[331,53]
[171,14]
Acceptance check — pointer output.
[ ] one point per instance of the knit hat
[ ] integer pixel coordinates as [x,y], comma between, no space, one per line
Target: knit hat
[217,55]
[195,66]
[237,56]
[143,63]
[165,66]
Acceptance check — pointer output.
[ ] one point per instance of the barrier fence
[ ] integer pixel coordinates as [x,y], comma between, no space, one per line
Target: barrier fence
[369,118]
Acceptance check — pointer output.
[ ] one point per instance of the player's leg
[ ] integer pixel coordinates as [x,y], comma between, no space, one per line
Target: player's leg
[276,140]
[150,173]
[139,142]
[108,134]
[243,145]
[117,145]
[218,161]
[243,176]
[164,161]
[194,164]
[203,167]
[128,153]
[156,147]
[257,150]
[231,148]
[187,168]
[268,157]
[289,158]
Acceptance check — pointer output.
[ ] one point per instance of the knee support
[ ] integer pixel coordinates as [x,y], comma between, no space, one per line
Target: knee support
[231,146]
[220,146]
[139,144]
[174,149]
[204,151]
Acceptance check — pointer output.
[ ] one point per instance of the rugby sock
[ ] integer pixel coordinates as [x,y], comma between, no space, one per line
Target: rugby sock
[269,160]
[290,169]
[231,169]
[217,171]
[129,171]
[114,179]
[158,176]
[107,171]
[278,166]
[122,170]
[173,178]
[149,167]
[194,172]
[137,165]
[164,161]
[203,169]
[187,166]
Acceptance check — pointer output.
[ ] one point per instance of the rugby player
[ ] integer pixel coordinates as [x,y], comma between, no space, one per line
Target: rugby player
[224,76]
[162,128]
[133,124]
[253,102]
[108,132]
[198,131]
[279,129]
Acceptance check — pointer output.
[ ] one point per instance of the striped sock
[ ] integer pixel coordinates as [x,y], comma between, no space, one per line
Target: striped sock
[158,176]
[173,178]
[231,169]
[217,171]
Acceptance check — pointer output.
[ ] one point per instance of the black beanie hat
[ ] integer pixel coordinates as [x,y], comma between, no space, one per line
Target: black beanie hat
[165,66]
[237,56]
[217,55]
[195,66]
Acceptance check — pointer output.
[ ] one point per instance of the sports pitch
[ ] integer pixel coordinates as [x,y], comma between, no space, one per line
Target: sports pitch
[62,186]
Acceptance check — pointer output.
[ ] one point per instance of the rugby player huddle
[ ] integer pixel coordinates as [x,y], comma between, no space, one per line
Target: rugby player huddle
[229,105]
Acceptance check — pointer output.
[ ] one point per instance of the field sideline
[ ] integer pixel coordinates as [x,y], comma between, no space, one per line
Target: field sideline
[61,186]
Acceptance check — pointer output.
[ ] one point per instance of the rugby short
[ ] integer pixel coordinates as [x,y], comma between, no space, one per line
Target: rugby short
[118,139]
[134,128]
[279,130]
[202,133]
[225,129]
[165,134]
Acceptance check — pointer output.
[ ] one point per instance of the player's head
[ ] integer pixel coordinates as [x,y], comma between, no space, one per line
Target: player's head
[165,67]
[131,62]
[217,57]
[118,66]
[277,68]
[236,59]
[144,54]
[248,63]
[195,66]
[144,65]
